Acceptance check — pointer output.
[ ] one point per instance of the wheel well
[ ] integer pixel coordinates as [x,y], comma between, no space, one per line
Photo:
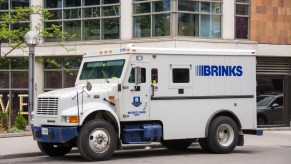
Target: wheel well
[104,115]
[223,113]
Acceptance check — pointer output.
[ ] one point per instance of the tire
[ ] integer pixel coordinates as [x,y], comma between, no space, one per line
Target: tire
[177,144]
[261,120]
[54,150]
[97,140]
[204,145]
[223,135]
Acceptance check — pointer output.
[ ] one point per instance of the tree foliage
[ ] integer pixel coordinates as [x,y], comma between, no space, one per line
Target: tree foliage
[15,23]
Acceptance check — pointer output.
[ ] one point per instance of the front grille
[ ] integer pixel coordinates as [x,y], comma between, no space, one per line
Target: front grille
[47,106]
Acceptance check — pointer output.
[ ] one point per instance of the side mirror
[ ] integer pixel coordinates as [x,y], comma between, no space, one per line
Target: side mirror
[275,105]
[137,71]
[88,86]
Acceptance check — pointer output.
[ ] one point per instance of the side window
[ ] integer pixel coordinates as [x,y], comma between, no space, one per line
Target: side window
[279,101]
[154,74]
[180,75]
[131,78]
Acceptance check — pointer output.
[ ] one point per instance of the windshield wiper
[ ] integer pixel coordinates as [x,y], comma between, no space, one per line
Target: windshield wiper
[105,75]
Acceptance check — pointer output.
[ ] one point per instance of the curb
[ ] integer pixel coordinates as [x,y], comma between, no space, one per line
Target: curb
[21,134]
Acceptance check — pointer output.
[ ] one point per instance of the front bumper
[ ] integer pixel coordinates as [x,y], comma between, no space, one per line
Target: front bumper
[54,134]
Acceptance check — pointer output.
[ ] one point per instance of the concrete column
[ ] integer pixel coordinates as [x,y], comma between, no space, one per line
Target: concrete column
[228,19]
[35,19]
[126,21]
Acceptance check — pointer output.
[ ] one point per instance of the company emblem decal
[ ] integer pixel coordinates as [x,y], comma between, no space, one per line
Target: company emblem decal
[218,70]
[136,101]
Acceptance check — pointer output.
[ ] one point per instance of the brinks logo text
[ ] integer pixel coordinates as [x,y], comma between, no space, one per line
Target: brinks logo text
[218,70]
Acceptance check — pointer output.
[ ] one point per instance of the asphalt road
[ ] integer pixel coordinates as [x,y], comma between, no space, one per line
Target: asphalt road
[272,148]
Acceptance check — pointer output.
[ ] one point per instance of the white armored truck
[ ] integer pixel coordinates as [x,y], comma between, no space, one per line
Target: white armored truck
[137,95]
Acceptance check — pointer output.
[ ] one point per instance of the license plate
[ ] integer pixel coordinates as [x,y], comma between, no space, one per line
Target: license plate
[44,131]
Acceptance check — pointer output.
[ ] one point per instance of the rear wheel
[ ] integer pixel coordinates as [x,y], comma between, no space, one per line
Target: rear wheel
[177,144]
[54,150]
[97,140]
[223,135]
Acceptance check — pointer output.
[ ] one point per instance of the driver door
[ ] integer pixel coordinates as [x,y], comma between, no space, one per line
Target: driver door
[136,97]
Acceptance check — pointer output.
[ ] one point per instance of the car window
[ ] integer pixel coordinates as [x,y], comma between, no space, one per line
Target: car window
[279,101]
[265,101]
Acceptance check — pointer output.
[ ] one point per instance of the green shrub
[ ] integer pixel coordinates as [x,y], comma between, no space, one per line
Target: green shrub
[20,122]
[4,124]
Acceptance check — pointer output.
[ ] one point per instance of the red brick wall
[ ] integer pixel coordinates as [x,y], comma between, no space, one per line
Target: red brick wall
[270,21]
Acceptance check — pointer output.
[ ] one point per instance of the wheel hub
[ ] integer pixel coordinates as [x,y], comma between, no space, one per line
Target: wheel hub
[99,140]
[225,135]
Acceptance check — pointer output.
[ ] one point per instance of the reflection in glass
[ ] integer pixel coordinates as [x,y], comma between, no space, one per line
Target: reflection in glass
[188,5]
[53,63]
[70,78]
[91,12]
[188,24]
[160,6]
[4,82]
[4,5]
[215,26]
[72,13]
[205,7]
[50,25]
[142,26]
[73,28]
[110,1]
[53,79]
[55,14]
[22,3]
[72,62]
[242,9]
[53,3]
[19,79]
[72,3]
[19,64]
[216,8]
[139,8]
[110,11]
[205,26]
[91,2]
[4,63]
[91,29]
[241,27]
[161,25]
[110,28]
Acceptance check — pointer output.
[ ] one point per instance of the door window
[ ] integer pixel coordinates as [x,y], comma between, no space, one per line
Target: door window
[131,78]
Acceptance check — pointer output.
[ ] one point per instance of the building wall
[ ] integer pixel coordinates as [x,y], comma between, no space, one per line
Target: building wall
[270,21]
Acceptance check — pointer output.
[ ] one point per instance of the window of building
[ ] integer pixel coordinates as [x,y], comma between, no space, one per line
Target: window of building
[14,87]
[199,18]
[181,75]
[60,72]
[6,8]
[242,19]
[151,18]
[86,19]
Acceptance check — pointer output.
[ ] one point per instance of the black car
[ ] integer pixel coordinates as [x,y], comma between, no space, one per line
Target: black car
[270,109]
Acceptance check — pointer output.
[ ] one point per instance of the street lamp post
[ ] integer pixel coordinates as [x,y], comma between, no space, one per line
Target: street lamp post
[31,39]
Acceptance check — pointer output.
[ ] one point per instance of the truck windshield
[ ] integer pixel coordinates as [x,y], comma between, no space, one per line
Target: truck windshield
[110,69]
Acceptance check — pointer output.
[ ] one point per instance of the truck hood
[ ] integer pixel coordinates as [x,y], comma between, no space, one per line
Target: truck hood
[100,89]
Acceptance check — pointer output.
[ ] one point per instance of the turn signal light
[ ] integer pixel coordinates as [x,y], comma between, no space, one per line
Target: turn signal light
[111,97]
[73,119]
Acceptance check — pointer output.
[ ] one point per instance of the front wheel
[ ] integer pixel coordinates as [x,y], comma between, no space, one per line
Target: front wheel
[54,150]
[223,135]
[97,140]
